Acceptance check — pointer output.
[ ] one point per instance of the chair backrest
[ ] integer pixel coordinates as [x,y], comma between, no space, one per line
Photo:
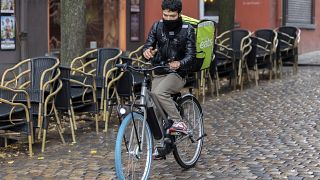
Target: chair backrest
[291,31]
[42,68]
[238,38]
[105,54]
[125,84]
[266,34]
[136,54]
[251,60]
[63,97]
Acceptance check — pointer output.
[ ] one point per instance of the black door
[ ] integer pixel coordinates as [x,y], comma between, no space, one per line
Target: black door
[135,24]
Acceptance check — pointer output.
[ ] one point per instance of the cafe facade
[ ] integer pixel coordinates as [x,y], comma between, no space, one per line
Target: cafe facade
[31,28]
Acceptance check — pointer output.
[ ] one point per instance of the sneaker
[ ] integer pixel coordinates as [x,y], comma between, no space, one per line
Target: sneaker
[177,128]
[157,156]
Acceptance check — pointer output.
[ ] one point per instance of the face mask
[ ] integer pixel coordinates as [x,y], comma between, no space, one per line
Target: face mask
[172,25]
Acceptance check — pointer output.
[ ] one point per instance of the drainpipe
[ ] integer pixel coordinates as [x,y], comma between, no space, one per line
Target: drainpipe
[23,29]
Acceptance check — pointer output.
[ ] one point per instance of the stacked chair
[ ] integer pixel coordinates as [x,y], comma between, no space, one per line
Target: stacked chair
[35,83]
[14,116]
[263,53]
[85,85]
[287,50]
[232,49]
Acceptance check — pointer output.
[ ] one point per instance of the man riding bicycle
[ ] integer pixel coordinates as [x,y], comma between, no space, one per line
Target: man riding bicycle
[170,41]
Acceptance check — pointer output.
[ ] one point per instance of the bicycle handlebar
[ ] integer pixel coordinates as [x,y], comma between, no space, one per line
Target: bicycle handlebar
[139,69]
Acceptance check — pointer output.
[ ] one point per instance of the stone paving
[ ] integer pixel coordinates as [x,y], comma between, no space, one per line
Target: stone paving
[266,132]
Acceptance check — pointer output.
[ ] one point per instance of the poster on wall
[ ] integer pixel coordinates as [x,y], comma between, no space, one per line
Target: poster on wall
[8,35]
[7,6]
[135,27]
[135,20]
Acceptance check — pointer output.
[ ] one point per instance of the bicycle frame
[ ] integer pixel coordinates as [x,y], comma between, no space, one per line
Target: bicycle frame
[145,95]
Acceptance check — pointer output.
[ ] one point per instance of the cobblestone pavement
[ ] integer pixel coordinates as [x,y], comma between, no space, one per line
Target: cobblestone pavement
[266,132]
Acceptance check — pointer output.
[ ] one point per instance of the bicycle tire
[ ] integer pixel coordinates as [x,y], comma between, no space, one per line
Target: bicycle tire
[177,152]
[121,147]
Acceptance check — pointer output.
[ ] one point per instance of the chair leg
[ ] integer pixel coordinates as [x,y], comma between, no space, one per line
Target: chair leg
[274,68]
[256,74]
[198,84]
[248,73]
[295,71]
[59,128]
[72,126]
[105,116]
[218,79]
[45,128]
[39,116]
[280,67]
[30,145]
[203,88]
[31,129]
[73,116]
[30,133]
[110,112]
[210,84]
[240,72]
[40,126]
[44,140]
[217,84]
[97,123]
[235,81]
[5,142]
[270,75]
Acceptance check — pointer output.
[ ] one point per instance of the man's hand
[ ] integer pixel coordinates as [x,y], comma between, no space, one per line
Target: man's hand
[174,65]
[149,53]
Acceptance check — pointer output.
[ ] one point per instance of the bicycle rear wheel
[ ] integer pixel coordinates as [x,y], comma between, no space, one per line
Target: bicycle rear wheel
[133,159]
[187,152]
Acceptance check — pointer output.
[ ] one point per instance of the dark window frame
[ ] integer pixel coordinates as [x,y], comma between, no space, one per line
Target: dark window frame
[299,25]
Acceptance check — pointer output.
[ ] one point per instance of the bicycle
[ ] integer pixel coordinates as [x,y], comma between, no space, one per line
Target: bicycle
[134,143]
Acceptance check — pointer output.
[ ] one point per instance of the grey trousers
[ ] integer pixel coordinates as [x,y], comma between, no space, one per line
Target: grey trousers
[162,88]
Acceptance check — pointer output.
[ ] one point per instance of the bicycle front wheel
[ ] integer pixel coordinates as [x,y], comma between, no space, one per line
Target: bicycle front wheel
[132,156]
[187,152]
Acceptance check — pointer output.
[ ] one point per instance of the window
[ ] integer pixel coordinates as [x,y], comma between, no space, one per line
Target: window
[94,18]
[299,13]
[209,9]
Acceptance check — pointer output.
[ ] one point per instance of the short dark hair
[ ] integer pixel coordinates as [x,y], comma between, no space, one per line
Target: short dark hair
[172,5]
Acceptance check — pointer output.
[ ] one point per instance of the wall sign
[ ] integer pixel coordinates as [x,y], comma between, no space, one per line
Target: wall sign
[135,20]
[8,35]
[7,6]
[8,25]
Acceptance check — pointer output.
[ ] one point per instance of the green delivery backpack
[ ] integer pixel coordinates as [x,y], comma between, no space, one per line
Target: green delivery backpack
[205,37]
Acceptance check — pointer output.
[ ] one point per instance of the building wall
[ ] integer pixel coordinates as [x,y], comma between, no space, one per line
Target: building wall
[31,18]
[254,14]
[310,39]
[37,28]
[257,14]
[153,11]
[10,57]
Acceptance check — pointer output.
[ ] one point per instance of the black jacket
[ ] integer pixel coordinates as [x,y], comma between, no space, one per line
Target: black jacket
[180,46]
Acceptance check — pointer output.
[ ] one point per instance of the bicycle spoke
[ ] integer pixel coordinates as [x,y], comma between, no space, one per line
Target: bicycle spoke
[187,152]
[132,162]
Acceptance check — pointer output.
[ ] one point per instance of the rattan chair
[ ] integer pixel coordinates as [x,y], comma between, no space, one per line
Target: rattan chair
[287,50]
[263,53]
[39,78]
[232,49]
[99,64]
[15,116]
